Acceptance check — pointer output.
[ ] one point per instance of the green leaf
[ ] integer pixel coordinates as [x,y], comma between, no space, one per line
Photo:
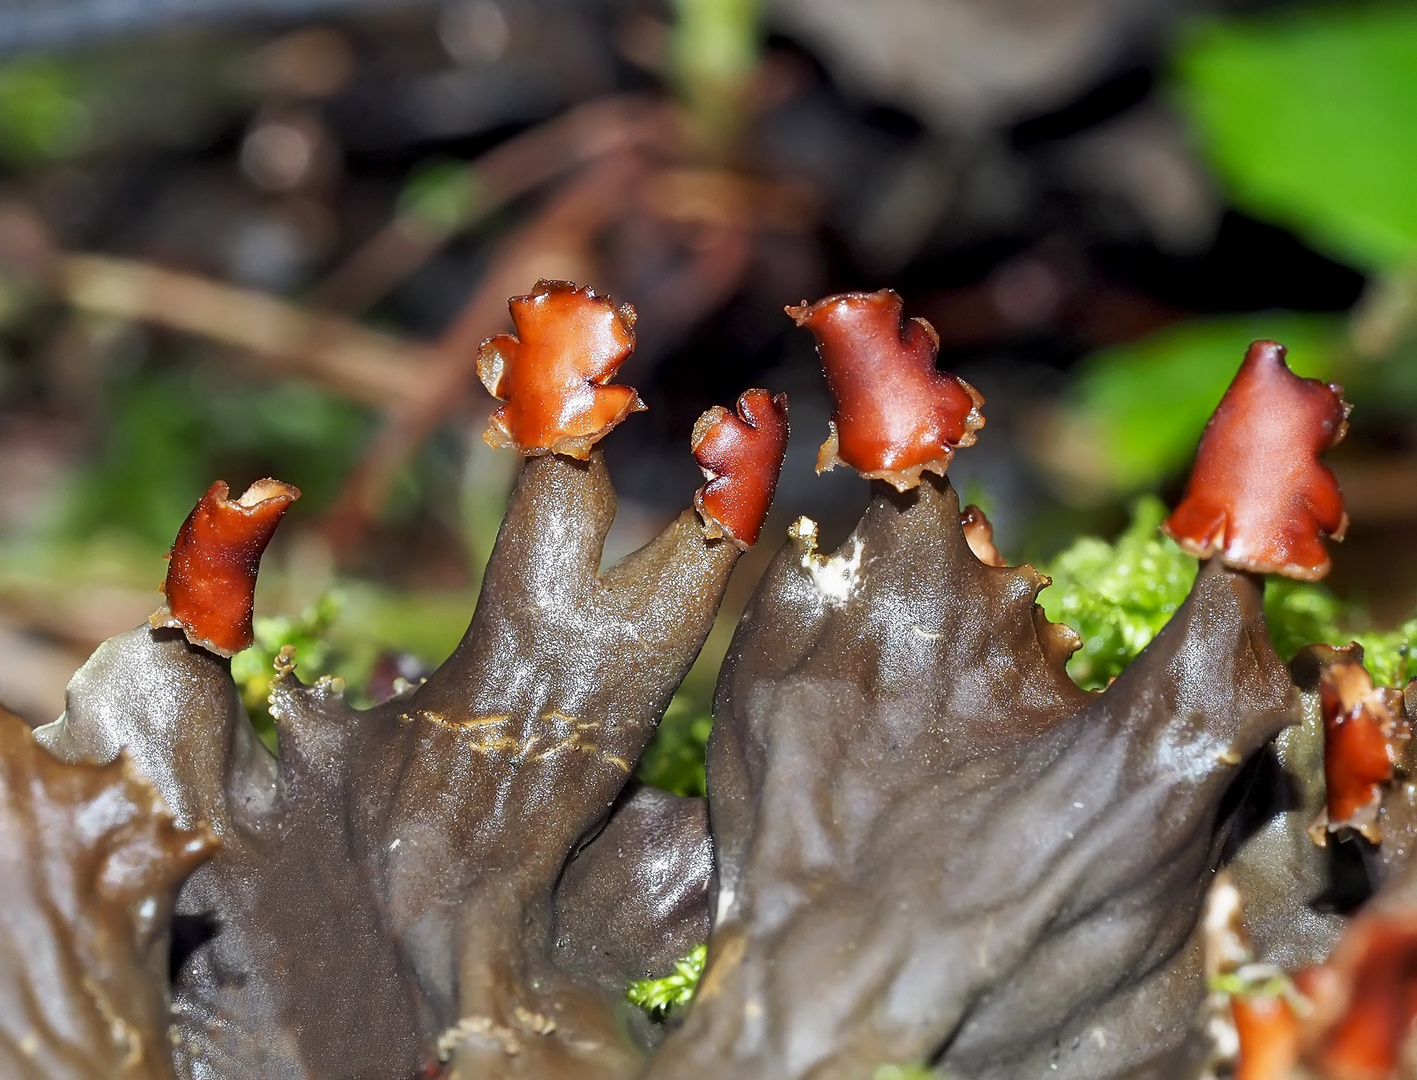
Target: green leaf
[1309,115]
[659,997]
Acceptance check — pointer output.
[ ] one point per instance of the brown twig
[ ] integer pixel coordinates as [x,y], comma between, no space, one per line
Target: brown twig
[515,167]
[361,364]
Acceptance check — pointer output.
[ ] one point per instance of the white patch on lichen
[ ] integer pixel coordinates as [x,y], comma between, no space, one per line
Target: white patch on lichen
[834,576]
[726,897]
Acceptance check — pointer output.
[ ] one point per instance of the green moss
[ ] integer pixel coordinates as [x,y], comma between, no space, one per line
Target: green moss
[343,634]
[1118,596]
[1300,614]
[254,669]
[660,997]
[674,761]
[1388,654]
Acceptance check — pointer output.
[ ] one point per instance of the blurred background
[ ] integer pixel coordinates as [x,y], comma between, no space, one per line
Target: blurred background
[242,238]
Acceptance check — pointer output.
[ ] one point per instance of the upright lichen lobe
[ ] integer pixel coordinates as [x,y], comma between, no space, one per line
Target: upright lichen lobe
[1258,495]
[211,575]
[979,534]
[1361,726]
[552,373]
[741,458]
[895,416]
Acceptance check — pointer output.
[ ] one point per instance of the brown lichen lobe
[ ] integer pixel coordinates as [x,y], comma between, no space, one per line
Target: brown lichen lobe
[1258,494]
[895,416]
[89,867]
[979,535]
[1365,1000]
[1362,724]
[433,830]
[552,373]
[741,459]
[906,680]
[211,575]
[1253,1020]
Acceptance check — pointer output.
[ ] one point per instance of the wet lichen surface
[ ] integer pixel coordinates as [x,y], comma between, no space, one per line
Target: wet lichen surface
[924,846]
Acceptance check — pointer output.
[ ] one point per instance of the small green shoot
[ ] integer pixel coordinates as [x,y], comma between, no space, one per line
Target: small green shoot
[254,670]
[661,997]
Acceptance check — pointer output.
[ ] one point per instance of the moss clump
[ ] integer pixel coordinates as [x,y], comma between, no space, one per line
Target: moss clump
[1118,596]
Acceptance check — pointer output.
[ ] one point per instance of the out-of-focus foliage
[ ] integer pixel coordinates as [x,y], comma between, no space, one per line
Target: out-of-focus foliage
[1118,596]
[169,435]
[1309,114]
[442,196]
[675,759]
[1136,410]
[172,93]
[907,1072]
[660,997]
[714,53]
[41,113]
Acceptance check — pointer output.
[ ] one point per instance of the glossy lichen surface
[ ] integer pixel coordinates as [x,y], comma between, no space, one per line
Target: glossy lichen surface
[891,717]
